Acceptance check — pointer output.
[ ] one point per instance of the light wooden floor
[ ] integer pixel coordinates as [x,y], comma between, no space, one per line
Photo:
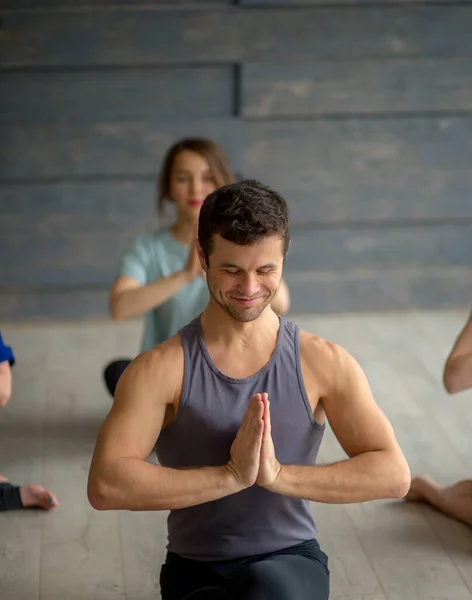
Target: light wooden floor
[386,550]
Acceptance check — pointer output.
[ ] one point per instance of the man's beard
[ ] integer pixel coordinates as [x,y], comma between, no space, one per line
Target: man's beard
[239,314]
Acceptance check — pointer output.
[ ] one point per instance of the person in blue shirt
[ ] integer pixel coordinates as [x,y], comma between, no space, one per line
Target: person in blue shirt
[11,496]
[160,275]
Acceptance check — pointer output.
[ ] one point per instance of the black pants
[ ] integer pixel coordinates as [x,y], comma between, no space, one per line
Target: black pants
[113,372]
[296,573]
[10,498]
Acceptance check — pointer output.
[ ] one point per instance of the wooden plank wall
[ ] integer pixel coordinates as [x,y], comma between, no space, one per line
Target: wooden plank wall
[360,112]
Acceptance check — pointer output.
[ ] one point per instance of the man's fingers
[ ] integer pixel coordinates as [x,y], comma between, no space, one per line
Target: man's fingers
[259,407]
[254,415]
[259,429]
[267,423]
[257,419]
[255,399]
[255,408]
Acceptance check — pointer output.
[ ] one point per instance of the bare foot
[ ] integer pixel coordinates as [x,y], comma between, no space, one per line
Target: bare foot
[37,495]
[420,488]
[3,479]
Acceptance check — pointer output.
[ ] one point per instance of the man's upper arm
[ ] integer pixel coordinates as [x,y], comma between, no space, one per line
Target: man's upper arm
[145,390]
[355,418]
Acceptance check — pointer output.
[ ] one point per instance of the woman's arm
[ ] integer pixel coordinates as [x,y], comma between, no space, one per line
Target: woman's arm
[457,375]
[5,382]
[128,298]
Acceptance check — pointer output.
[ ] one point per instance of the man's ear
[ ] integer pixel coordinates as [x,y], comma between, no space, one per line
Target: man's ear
[201,257]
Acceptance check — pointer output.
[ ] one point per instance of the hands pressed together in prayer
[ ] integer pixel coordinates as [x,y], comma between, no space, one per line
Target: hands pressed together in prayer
[253,459]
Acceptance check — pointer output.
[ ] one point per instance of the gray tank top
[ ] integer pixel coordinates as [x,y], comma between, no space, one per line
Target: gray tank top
[212,406]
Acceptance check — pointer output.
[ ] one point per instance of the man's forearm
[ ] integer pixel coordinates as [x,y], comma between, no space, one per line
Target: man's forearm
[133,484]
[369,476]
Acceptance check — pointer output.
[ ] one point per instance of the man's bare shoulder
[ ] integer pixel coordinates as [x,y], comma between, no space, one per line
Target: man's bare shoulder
[161,356]
[315,348]
[326,359]
[168,351]
[160,368]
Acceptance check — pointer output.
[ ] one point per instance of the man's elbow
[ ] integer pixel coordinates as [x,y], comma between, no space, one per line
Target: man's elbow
[99,493]
[96,496]
[400,480]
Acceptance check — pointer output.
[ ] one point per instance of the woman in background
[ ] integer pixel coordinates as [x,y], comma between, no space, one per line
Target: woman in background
[160,275]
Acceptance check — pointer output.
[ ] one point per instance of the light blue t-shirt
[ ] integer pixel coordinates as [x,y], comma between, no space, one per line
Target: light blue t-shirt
[151,257]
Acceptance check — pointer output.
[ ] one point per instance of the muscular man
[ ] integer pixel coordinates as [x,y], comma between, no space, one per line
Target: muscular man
[237,403]
[454,500]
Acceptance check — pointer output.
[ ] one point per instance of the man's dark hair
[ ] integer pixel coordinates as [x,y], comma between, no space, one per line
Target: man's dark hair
[244,213]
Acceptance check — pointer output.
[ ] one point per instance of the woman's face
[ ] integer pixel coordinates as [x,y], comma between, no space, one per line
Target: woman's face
[191,180]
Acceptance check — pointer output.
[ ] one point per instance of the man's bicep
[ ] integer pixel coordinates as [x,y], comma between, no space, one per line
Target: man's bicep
[355,418]
[135,420]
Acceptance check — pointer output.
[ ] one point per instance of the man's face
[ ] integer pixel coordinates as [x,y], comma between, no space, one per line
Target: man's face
[243,280]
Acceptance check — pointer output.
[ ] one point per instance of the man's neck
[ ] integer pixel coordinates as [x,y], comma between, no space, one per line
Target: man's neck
[218,326]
